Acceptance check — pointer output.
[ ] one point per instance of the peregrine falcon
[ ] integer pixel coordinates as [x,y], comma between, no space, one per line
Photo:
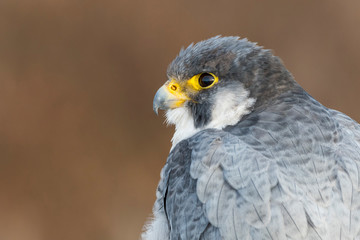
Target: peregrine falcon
[253,155]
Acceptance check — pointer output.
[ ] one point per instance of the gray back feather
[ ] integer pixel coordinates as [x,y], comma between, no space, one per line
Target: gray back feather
[290,171]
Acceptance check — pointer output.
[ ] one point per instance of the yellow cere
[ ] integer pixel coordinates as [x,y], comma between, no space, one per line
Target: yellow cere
[177,92]
[174,88]
[194,82]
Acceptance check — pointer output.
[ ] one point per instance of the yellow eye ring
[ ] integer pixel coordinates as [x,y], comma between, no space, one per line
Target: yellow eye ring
[203,81]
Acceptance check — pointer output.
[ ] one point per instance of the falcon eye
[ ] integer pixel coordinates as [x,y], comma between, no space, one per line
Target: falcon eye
[202,81]
[206,80]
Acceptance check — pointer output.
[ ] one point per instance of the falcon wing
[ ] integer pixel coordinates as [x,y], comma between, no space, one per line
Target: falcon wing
[288,171]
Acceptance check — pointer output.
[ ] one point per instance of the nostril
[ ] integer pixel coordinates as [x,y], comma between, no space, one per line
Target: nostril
[173,87]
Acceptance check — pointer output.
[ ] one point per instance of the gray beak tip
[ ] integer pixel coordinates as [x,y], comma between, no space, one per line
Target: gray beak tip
[155,108]
[159,100]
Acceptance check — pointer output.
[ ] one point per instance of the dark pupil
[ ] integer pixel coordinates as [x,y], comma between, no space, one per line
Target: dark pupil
[206,80]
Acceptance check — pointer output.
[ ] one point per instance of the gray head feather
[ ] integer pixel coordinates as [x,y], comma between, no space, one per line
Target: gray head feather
[233,60]
[216,54]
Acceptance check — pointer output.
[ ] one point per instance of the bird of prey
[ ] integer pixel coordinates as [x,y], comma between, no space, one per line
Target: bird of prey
[253,156]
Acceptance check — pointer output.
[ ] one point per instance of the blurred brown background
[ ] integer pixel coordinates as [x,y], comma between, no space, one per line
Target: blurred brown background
[80,148]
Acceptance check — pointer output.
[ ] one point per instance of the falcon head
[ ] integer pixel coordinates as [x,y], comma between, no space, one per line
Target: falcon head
[216,82]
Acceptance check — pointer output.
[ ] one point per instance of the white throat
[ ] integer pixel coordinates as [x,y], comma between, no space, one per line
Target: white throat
[184,124]
[228,108]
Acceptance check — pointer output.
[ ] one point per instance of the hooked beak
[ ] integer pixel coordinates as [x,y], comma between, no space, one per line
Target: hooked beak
[166,98]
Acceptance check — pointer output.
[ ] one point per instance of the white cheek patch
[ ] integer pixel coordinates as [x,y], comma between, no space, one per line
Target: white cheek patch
[229,106]
[184,124]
